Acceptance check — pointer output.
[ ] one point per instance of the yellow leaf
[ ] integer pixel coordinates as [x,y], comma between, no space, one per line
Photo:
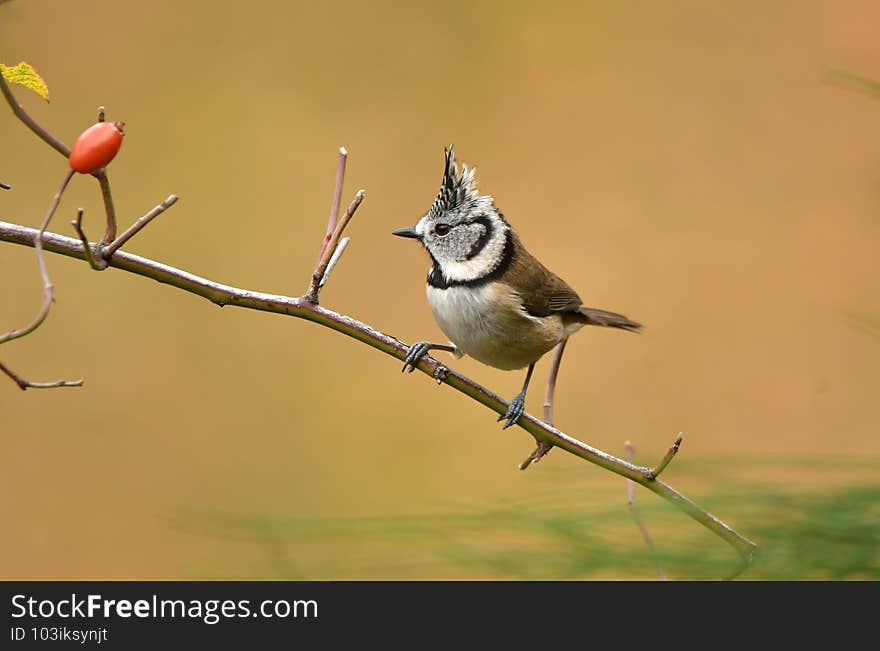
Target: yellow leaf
[26,76]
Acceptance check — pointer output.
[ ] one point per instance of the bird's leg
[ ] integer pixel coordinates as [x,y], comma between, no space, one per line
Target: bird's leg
[517,406]
[419,350]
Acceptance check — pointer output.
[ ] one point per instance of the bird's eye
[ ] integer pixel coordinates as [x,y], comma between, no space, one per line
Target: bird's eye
[441,229]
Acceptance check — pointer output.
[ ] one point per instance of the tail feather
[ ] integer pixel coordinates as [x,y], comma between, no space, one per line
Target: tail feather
[592,316]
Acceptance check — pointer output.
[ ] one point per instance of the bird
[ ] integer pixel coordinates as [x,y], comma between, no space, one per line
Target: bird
[495,301]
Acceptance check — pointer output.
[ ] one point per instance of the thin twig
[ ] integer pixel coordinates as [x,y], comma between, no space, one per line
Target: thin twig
[136,227]
[48,287]
[334,206]
[32,124]
[110,230]
[551,381]
[671,452]
[631,501]
[27,384]
[340,249]
[305,309]
[90,257]
[330,249]
[543,447]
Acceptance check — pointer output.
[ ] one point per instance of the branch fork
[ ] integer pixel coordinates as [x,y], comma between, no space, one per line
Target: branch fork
[333,244]
[99,259]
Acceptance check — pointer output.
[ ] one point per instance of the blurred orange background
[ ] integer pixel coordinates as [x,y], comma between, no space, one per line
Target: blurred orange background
[689,164]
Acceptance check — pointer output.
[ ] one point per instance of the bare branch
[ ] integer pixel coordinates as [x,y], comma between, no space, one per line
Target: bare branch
[139,224]
[303,308]
[26,384]
[48,287]
[330,249]
[631,501]
[90,255]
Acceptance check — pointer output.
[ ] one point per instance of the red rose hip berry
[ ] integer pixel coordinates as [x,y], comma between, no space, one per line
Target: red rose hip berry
[96,147]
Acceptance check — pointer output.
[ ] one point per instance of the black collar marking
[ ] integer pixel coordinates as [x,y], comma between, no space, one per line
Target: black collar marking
[480,244]
[437,280]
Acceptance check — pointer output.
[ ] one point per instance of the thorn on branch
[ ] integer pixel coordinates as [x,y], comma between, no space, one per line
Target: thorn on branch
[90,258]
[5,186]
[26,384]
[139,224]
[654,472]
[537,454]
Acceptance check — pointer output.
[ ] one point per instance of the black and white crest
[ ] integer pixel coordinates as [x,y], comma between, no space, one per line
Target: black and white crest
[458,188]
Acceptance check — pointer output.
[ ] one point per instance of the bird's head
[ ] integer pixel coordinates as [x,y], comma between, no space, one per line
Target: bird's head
[463,231]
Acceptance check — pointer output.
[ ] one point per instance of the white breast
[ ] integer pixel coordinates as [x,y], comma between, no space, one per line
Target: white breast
[462,313]
[488,324]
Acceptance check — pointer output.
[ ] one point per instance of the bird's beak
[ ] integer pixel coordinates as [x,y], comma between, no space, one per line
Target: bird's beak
[407,232]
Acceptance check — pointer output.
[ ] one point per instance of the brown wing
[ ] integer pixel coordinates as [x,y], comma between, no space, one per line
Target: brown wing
[542,291]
